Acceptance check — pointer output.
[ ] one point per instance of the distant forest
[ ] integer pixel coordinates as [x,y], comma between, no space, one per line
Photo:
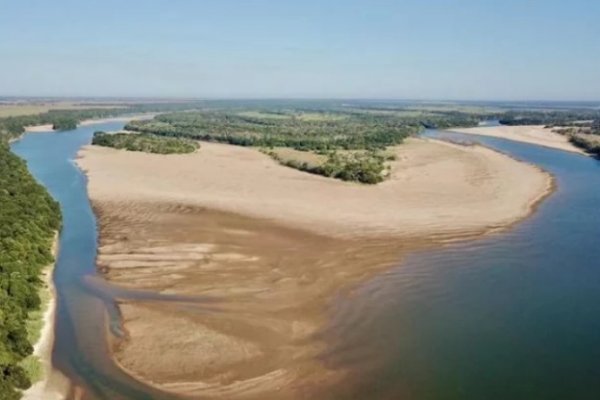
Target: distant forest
[29,217]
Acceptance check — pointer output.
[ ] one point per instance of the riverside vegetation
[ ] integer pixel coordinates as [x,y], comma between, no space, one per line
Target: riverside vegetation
[29,218]
[145,142]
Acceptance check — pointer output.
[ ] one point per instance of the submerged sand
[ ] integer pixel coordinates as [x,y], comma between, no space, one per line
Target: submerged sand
[258,251]
[532,134]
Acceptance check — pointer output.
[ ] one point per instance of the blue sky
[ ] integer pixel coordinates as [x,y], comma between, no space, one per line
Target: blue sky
[462,49]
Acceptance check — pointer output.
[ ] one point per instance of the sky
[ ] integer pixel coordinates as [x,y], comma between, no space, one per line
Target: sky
[427,49]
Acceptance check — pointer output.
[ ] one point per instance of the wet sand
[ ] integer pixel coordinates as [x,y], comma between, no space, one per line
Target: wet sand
[533,134]
[264,249]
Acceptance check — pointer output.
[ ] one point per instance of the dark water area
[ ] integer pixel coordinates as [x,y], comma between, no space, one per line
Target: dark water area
[514,315]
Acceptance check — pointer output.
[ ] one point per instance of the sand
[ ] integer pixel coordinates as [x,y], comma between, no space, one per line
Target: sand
[39,128]
[259,252]
[533,134]
[434,188]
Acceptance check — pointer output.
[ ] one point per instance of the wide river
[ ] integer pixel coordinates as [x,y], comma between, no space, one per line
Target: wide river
[513,315]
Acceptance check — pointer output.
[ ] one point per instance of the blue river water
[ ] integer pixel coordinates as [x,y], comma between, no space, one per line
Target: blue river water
[513,315]
[83,310]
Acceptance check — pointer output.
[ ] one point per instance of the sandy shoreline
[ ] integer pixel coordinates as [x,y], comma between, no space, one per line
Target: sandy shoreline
[54,385]
[532,134]
[270,246]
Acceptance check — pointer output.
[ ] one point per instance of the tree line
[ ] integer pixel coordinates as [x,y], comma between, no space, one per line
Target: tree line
[144,142]
[29,217]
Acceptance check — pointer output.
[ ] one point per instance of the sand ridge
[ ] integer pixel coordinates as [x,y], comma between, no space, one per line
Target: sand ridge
[532,134]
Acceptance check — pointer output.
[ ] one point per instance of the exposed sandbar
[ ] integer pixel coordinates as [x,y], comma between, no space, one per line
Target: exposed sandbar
[264,249]
[532,134]
[435,188]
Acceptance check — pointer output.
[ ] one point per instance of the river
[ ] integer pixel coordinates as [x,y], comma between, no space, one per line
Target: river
[513,315]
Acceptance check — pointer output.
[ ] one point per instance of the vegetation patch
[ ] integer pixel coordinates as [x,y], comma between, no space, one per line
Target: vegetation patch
[145,142]
[588,142]
[367,167]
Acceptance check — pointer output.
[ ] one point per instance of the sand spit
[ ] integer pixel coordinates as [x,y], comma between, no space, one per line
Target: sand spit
[265,248]
[533,134]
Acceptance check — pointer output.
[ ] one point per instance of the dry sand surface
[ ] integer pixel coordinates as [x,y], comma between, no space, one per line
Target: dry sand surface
[262,249]
[434,188]
[533,134]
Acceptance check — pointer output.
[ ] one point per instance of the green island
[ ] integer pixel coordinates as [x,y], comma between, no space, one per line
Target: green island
[333,141]
[145,142]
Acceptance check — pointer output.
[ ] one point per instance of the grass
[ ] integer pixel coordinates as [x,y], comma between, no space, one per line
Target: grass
[35,323]
[288,155]
[369,167]
[263,114]
[588,142]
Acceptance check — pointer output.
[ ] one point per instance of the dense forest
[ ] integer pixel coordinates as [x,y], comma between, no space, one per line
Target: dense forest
[145,142]
[29,217]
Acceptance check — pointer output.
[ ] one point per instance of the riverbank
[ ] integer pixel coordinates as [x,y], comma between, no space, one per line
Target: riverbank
[47,382]
[532,134]
[270,246]
[46,128]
